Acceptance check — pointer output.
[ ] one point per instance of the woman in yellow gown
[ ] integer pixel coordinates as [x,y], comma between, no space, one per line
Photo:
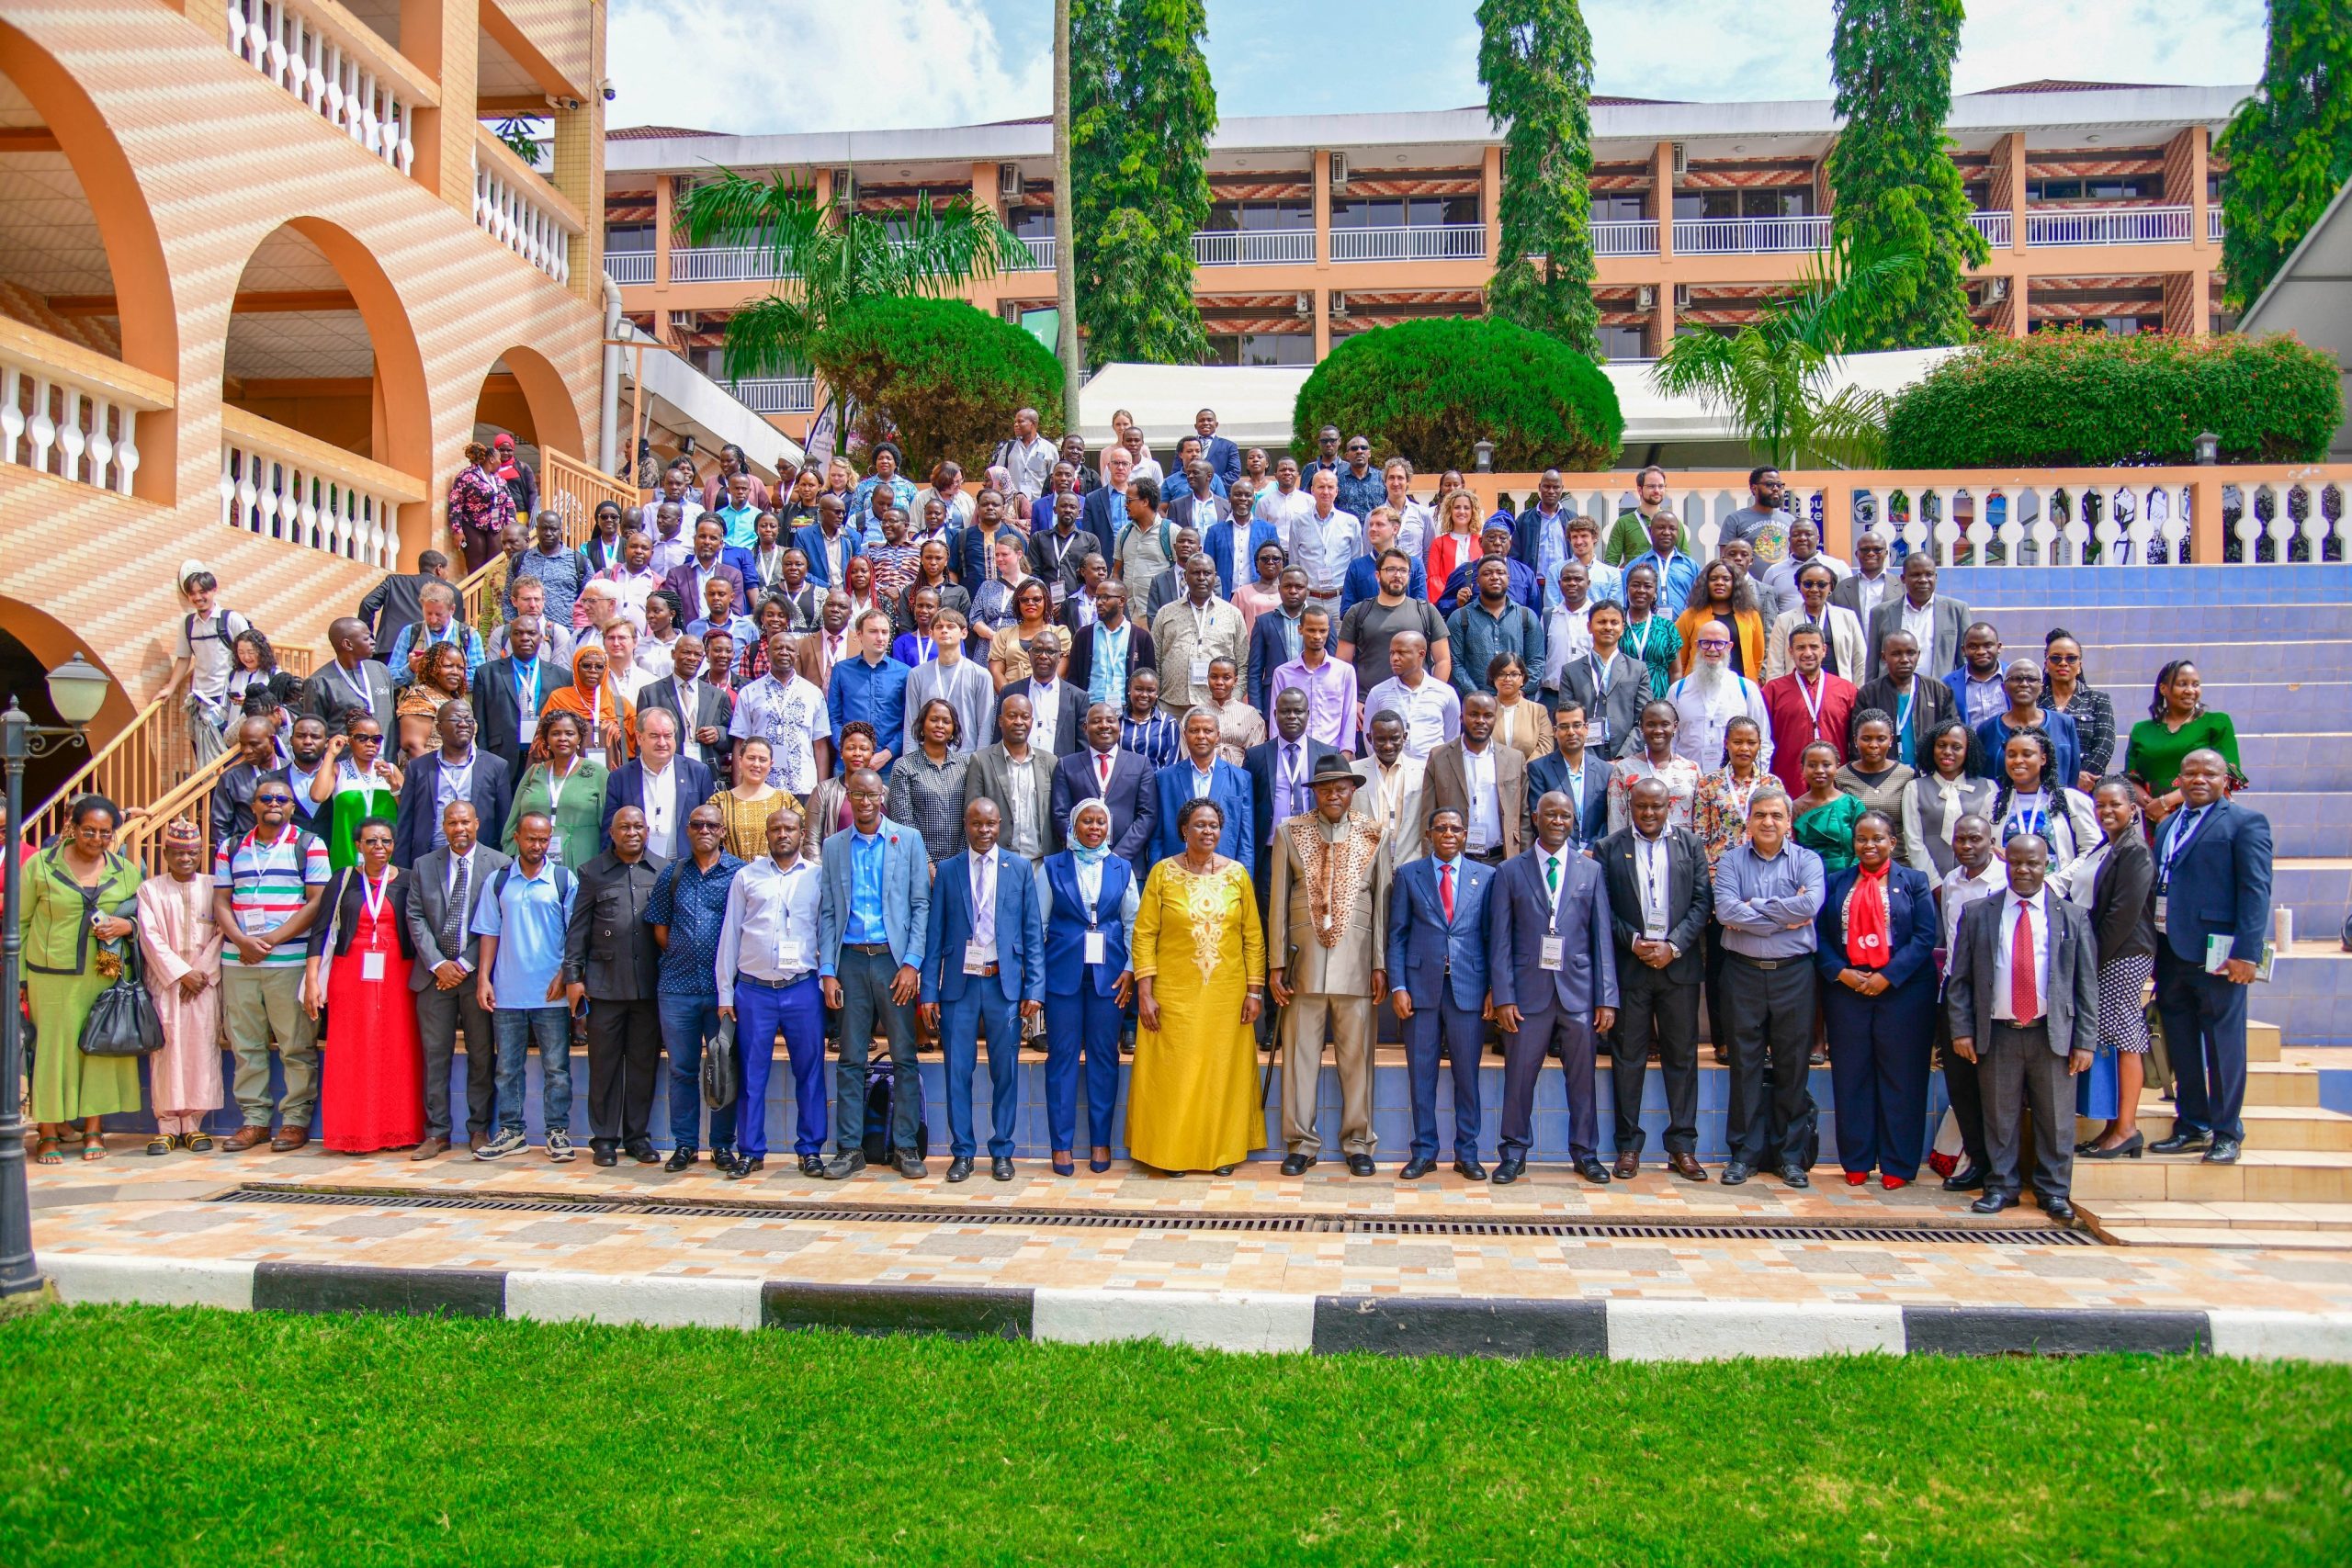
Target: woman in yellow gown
[1200,966]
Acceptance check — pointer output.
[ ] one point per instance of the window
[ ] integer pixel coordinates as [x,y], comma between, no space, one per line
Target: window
[1620,207]
[2129,187]
[1403,212]
[1262,348]
[1979,193]
[628,238]
[1258,217]
[1789,203]
[1030,222]
[1624,343]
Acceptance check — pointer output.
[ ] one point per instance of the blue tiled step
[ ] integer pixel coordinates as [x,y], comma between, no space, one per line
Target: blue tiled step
[2317,890]
[2304,824]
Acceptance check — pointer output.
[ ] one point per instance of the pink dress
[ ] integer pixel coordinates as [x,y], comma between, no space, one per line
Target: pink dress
[177,936]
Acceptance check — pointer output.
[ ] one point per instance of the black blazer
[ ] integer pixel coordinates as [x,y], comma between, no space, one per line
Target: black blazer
[2124,914]
[1269,651]
[714,707]
[1070,720]
[608,945]
[494,792]
[1260,762]
[1550,773]
[1079,668]
[332,694]
[1931,704]
[344,901]
[1629,692]
[495,714]
[626,786]
[1690,898]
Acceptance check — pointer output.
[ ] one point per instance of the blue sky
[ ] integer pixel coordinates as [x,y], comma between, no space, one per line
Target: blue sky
[956,62]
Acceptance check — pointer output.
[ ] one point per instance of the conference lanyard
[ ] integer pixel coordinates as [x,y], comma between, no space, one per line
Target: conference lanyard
[2178,840]
[1812,701]
[1641,649]
[528,702]
[358,685]
[373,893]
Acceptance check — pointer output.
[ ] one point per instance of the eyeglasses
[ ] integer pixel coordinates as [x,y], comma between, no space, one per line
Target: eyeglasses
[1715,642]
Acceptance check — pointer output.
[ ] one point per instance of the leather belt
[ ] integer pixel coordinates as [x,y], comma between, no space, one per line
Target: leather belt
[871,949]
[784,985]
[1763,962]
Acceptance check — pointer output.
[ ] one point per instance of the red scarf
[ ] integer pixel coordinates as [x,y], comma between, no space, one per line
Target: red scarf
[1867,934]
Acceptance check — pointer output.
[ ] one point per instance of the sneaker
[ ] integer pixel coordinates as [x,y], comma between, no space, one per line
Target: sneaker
[560,1146]
[510,1141]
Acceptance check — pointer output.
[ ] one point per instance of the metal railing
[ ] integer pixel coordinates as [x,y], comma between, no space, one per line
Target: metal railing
[1041,256]
[625,267]
[2213,224]
[573,489]
[2108,226]
[1252,247]
[142,837]
[1997,228]
[1624,236]
[724,264]
[775,394]
[1749,236]
[1432,241]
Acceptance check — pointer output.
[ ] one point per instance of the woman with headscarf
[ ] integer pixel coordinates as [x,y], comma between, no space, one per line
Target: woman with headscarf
[607,718]
[1089,898]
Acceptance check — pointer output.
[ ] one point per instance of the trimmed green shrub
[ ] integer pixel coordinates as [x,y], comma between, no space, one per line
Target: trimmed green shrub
[1431,391]
[947,375]
[2088,398]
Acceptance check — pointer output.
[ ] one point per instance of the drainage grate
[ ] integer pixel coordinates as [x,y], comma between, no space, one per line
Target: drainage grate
[1165,1220]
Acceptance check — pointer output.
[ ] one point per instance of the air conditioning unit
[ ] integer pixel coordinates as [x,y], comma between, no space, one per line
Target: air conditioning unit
[1995,290]
[1010,310]
[1339,172]
[1645,298]
[1007,181]
[1339,306]
[844,185]
[1303,304]
[1682,160]
[1682,296]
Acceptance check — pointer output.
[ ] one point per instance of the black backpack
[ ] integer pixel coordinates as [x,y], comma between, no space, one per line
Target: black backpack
[879,1077]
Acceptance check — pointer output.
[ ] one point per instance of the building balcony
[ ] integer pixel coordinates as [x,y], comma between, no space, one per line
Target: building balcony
[1998,231]
[516,207]
[777,394]
[1625,236]
[1436,242]
[2108,226]
[722,264]
[71,413]
[1749,236]
[625,267]
[282,484]
[1041,256]
[339,68]
[1253,247]
[2213,224]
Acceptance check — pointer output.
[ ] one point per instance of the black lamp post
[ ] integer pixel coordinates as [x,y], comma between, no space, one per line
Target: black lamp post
[78,689]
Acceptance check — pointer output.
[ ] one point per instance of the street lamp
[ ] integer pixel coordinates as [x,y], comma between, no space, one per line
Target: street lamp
[77,688]
[1485,450]
[2209,449]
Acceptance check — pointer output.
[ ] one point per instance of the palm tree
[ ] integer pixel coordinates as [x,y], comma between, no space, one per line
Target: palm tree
[1773,377]
[836,254]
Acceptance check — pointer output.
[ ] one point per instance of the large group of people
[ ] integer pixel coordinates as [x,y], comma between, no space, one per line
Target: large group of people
[1168,769]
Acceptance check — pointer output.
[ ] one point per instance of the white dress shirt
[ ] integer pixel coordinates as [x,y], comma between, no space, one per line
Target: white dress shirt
[1485,797]
[1870,591]
[1919,622]
[1431,712]
[2003,939]
[983,869]
[1046,714]
[770,929]
[661,811]
[1960,890]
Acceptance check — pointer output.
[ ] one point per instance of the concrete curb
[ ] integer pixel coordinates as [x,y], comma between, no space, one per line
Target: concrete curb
[1394,1326]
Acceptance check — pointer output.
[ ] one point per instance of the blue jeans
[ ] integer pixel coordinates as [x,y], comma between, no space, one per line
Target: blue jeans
[518,1029]
[799,1012]
[687,1023]
[982,1007]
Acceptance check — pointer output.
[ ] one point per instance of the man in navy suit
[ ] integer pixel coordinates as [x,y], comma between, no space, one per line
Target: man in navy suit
[470,774]
[1553,968]
[1659,893]
[1105,771]
[1279,769]
[660,782]
[1222,456]
[983,972]
[1439,927]
[2212,880]
[1202,773]
[1277,636]
[869,963]
[1581,776]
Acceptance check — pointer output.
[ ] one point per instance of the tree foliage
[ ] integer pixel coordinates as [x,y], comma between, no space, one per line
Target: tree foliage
[1893,186]
[1142,110]
[2289,146]
[1433,390]
[834,256]
[1535,60]
[943,377]
[2088,398]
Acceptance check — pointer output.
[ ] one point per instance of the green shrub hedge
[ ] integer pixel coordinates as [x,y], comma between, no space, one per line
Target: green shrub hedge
[948,374]
[1431,391]
[2088,398]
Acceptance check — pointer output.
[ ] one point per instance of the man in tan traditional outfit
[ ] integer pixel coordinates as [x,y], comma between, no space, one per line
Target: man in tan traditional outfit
[181,948]
[1324,925]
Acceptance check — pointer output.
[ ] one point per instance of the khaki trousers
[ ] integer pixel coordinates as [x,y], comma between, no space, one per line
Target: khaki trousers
[262,1002]
[1351,1021]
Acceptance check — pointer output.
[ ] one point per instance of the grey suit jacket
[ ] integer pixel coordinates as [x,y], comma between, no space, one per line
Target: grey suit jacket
[990,775]
[1846,592]
[428,910]
[1629,692]
[713,708]
[2072,1004]
[1951,620]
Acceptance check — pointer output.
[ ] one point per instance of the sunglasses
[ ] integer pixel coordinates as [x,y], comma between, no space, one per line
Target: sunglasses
[705,826]
[2062,658]
[272,800]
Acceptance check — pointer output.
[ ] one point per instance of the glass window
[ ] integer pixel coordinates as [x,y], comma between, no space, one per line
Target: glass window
[1030,222]
[1259,216]
[1368,212]
[1624,343]
[1262,348]
[628,237]
[1795,203]
[1620,207]
[1706,203]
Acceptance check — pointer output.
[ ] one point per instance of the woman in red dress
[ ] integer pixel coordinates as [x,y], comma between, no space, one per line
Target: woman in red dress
[372,1084]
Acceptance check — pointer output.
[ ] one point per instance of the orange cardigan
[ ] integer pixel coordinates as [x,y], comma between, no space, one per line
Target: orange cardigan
[1747,625]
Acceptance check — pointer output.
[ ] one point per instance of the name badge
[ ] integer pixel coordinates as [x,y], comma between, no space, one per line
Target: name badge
[529,729]
[253,922]
[1097,948]
[1653,924]
[1055,590]
[1553,955]
[371,965]
[1200,671]
[555,847]
[2160,911]
[976,958]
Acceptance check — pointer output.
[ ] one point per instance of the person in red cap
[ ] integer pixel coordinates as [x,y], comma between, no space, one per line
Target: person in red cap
[521,483]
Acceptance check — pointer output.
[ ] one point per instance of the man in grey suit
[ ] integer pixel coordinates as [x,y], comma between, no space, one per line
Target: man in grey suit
[445,885]
[871,915]
[1868,586]
[1019,778]
[350,682]
[1611,686]
[2022,996]
[701,708]
[1938,624]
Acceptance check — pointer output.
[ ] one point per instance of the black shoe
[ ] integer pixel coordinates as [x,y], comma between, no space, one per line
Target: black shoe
[1592,1170]
[1971,1179]
[736,1169]
[1469,1170]
[723,1161]
[2185,1141]
[960,1168]
[908,1166]
[601,1153]
[1794,1175]
[1297,1165]
[1001,1167]
[812,1164]
[642,1152]
[841,1167]
[1511,1169]
[1993,1203]
[680,1159]
[2059,1209]
[2223,1152]
[1359,1165]
[2130,1148]
[1416,1168]
[1734,1174]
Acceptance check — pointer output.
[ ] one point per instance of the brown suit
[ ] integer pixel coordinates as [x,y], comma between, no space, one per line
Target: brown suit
[1446,784]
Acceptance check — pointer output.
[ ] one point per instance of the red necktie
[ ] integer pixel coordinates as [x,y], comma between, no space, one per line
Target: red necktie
[1445,891]
[2024,1005]
[1102,766]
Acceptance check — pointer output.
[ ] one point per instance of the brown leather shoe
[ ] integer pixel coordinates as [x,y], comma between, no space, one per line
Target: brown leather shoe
[244,1137]
[432,1148]
[1686,1166]
[1629,1165]
[288,1139]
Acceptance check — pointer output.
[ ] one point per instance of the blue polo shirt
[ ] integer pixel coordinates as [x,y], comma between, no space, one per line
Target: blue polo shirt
[527,917]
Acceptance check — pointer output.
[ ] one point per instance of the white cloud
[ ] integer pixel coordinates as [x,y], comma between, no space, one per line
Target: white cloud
[790,65]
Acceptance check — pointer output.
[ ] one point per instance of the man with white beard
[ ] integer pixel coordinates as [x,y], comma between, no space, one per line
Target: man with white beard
[1711,696]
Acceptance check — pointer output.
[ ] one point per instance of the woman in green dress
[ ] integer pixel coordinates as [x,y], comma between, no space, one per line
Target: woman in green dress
[360,782]
[1826,815]
[2177,724]
[564,785]
[79,896]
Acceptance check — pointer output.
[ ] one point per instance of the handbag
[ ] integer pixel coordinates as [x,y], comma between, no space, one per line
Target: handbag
[122,1021]
[720,1074]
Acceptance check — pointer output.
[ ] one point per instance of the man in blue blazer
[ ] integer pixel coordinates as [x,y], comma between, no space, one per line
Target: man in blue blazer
[1582,775]
[1223,455]
[983,972]
[872,917]
[2212,881]
[1200,772]
[681,784]
[1276,636]
[1105,771]
[481,776]
[1439,927]
[1218,542]
[1553,968]
[828,535]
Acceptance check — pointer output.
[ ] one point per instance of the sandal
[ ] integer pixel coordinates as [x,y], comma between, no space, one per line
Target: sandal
[161,1144]
[45,1151]
[197,1143]
[93,1149]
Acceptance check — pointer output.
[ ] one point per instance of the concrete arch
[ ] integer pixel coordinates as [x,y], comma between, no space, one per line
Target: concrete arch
[553,417]
[32,642]
[142,284]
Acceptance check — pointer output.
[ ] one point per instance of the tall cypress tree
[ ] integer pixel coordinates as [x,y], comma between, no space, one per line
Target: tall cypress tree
[1142,110]
[1895,187]
[2289,146]
[1535,60]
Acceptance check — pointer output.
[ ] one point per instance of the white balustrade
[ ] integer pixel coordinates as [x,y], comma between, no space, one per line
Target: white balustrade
[70,412]
[777,394]
[1624,236]
[2108,226]
[337,67]
[625,267]
[1040,257]
[1252,247]
[723,263]
[1749,236]
[521,211]
[1998,230]
[1432,242]
[2213,224]
[281,484]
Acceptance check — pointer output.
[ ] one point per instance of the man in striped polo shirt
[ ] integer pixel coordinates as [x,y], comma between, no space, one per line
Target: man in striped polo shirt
[266,887]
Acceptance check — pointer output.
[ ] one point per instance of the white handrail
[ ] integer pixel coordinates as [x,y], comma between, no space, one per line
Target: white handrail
[69,411]
[339,67]
[1624,236]
[2107,226]
[1429,241]
[1749,236]
[1253,247]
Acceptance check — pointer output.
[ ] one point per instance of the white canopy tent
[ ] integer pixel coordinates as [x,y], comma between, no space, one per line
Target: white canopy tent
[2310,295]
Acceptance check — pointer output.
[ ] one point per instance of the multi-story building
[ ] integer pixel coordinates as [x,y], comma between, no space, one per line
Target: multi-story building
[2099,203]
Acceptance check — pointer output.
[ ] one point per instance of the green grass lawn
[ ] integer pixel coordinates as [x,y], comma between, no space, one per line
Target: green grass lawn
[138,1435]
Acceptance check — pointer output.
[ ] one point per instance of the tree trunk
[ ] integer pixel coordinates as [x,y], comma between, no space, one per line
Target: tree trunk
[1065,268]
